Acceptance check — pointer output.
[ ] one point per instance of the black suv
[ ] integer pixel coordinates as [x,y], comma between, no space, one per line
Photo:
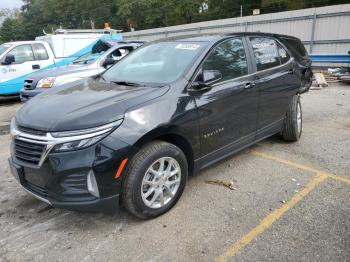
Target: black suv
[173,107]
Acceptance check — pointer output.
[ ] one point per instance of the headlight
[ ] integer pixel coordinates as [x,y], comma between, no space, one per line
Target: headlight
[79,139]
[79,144]
[46,82]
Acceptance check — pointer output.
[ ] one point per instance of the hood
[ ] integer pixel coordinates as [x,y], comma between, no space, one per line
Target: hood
[88,103]
[59,71]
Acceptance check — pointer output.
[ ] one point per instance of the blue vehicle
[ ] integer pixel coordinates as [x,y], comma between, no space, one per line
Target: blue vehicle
[19,59]
[103,54]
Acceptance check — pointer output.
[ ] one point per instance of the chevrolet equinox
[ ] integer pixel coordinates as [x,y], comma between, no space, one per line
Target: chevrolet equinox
[133,134]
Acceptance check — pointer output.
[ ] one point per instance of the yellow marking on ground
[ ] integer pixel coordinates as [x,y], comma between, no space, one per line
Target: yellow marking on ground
[340,178]
[300,166]
[286,162]
[272,217]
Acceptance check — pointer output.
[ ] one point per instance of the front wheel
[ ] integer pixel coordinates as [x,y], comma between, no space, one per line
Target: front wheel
[293,124]
[155,180]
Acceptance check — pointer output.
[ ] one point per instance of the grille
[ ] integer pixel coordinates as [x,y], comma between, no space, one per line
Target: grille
[28,84]
[31,131]
[28,152]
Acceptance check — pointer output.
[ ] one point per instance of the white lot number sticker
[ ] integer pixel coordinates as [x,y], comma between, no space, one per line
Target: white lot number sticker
[187,46]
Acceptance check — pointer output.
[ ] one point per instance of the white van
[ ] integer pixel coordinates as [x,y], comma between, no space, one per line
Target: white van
[19,59]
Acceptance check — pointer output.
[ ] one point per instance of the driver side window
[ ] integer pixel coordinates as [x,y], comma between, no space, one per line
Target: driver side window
[229,58]
[22,53]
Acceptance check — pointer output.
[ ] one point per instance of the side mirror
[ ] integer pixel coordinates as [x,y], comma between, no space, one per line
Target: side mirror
[9,59]
[108,61]
[205,78]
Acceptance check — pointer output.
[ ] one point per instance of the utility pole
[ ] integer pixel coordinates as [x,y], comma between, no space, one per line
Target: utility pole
[241,10]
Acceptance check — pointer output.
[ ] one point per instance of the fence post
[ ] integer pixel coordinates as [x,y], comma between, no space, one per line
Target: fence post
[312,37]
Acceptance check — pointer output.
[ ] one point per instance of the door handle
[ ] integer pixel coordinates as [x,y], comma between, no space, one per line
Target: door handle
[249,85]
[291,71]
[36,66]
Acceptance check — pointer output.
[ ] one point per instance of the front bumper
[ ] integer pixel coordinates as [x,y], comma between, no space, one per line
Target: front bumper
[61,181]
[26,95]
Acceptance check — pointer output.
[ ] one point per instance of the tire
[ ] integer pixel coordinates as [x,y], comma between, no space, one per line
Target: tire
[144,174]
[292,130]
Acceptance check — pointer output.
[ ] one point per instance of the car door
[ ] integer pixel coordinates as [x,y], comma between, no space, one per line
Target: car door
[24,64]
[41,55]
[275,80]
[227,108]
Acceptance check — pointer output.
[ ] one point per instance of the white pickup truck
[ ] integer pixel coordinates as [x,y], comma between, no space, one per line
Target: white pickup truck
[19,59]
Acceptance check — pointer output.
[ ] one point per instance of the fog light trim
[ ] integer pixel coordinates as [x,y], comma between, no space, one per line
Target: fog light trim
[92,184]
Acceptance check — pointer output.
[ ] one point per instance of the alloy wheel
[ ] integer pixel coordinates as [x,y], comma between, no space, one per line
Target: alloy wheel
[161,182]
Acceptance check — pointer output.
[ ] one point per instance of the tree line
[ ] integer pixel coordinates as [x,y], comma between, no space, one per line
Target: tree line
[37,15]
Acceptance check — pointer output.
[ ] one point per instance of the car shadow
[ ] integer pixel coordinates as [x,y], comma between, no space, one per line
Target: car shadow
[9,100]
[38,212]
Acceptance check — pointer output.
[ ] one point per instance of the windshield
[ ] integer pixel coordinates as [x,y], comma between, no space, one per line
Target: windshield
[158,63]
[4,47]
[88,58]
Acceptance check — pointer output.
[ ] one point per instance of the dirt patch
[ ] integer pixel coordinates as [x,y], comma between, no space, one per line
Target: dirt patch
[4,130]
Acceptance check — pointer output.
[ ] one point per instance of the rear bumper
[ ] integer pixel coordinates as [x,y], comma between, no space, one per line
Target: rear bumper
[306,80]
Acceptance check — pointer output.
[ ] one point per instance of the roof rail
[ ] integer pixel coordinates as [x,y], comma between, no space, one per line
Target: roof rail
[86,31]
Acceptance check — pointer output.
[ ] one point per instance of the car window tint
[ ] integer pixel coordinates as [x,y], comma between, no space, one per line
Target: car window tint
[284,56]
[40,52]
[229,58]
[296,45]
[22,53]
[265,52]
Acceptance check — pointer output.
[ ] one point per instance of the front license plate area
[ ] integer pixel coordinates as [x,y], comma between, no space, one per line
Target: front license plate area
[36,178]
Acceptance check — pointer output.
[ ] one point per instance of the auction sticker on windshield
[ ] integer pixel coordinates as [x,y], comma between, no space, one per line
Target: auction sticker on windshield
[187,46]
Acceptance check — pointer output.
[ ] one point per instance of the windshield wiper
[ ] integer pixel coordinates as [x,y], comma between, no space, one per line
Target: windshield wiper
[88,60]
[100,76]
[126,83]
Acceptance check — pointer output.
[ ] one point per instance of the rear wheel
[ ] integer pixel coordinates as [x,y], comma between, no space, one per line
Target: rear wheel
[293,125]
[155,180]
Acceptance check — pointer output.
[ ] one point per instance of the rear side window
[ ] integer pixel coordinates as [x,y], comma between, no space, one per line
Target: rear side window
[265,52]
[296,44]
[40,52]
[229,58]
[296,47]
[283,55]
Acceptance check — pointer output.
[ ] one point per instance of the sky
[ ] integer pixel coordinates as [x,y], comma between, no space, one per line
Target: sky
[10,3]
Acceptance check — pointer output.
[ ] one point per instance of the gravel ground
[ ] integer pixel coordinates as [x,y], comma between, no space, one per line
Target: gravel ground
[209,219]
